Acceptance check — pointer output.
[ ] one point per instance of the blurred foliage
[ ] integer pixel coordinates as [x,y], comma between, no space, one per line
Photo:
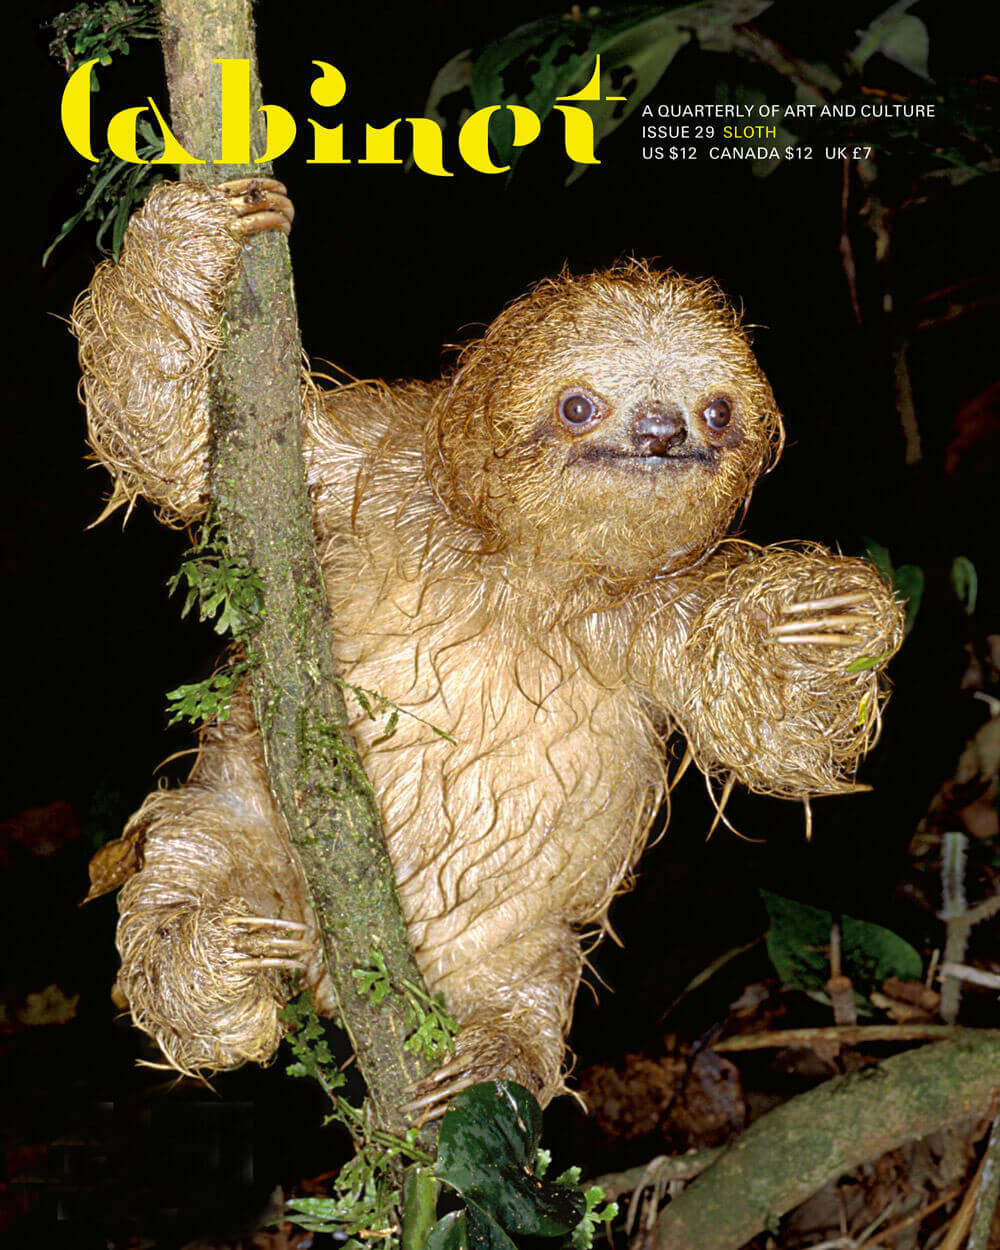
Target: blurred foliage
[113,188]
[100,30]
[554,56]
[112,191]
[798,941]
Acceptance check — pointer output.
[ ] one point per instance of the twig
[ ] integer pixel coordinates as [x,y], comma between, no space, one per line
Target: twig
[663,1167]
[917,1217]
[954,312]
[852,1035]
[846,248]
[879,220]
[974,976]
[839,987]
[988,1190]
[905,404]
[864,1238]
[959,1226]
[982,911]
[953,912]
[816,80]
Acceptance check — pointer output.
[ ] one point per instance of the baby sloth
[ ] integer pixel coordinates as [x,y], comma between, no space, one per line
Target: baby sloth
[528,554]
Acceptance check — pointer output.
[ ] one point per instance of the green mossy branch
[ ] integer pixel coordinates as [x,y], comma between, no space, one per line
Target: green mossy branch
[791,1153]
[261,503]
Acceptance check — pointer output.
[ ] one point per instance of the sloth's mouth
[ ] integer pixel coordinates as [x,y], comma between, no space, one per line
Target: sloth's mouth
[626,459]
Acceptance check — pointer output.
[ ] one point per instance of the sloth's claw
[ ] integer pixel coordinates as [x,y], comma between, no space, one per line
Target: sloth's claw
[827,640]
[482,1053]
[433,1092]
[816,622]
[236,186]
[820,622]
[432,1104]
[290,945]
[720,806]
[831,601]
[266,942]
[290,965]
[682,768]
[260,204]
[264,922]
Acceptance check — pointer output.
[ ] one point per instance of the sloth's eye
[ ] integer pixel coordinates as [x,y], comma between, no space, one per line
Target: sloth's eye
[577,408]
[718,414]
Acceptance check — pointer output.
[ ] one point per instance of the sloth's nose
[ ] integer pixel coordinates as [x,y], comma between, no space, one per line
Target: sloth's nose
[658,429]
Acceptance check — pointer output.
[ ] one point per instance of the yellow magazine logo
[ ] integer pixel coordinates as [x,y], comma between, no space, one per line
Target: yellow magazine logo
[328,90]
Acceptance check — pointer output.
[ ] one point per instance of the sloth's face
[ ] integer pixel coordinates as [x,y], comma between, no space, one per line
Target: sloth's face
[620,418]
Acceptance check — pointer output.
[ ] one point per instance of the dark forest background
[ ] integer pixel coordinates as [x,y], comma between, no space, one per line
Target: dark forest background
[390,267]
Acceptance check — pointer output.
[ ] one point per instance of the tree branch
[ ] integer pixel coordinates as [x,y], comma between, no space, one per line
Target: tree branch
[260,498]
[795,1150]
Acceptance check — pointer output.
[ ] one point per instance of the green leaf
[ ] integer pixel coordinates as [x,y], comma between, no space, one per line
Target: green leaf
[632,63]
[798,940]
[871,954]
[583,1234]
[449,1233]
[486,1153]
[307,1042]
[908,579]
[554,56]
[229,593]
[908,44]
[965,581]
[899,36]
[374,981]
[205,700]
[420,1193]
[482,1233]
[879,556]
[910,586]
[374,704]
[864,662]
[434,1030]
[113,189]
[318,1215]
[452,83]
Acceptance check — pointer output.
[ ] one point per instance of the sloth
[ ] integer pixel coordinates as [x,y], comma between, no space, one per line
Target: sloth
[531,554]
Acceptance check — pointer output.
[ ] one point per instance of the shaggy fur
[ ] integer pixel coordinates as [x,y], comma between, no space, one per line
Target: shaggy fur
[550,593]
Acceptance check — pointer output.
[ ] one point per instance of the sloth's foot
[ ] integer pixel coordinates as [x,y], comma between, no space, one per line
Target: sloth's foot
[260,204]
[482,1053]
[822,622]
[206,981]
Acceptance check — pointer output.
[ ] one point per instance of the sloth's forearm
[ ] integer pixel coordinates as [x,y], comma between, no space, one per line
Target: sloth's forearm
[149,328]
[772,670]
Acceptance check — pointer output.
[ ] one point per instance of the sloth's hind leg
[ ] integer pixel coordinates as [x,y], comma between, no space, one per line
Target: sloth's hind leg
[214,923]
[513,996]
